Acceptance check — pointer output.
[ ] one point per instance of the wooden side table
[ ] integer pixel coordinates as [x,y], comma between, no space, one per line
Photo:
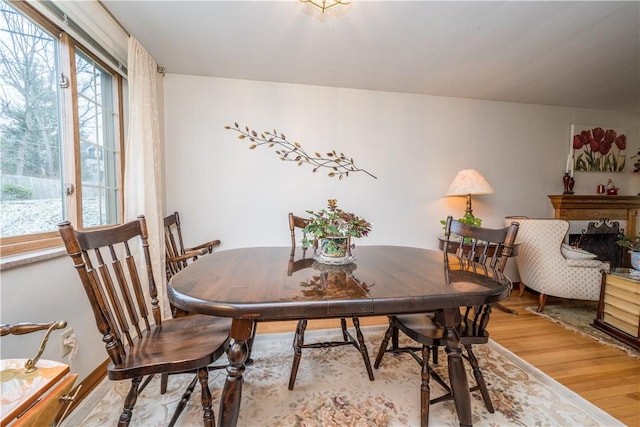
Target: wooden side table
[619,307]
[33,398]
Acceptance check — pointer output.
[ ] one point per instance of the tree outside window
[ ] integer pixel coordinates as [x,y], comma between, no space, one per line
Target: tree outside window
[43,136]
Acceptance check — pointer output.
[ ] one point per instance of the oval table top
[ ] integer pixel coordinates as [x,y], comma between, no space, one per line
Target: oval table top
[262,283]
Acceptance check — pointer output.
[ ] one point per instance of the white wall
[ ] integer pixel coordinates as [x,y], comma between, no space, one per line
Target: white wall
[43,292]
[413,144]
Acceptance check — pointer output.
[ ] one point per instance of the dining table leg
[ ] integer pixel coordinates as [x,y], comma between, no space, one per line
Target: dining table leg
[237,352]
[457,373]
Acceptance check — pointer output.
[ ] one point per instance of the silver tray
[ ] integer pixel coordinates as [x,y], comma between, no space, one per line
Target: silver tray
[334,261]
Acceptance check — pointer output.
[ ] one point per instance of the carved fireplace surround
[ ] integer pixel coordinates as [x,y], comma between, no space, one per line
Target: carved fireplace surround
[603,208]
[583,207]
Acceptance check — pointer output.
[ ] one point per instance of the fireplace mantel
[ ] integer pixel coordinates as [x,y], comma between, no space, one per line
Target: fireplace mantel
[582,207]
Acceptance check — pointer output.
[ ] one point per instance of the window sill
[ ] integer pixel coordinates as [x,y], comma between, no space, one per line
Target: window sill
[21,260]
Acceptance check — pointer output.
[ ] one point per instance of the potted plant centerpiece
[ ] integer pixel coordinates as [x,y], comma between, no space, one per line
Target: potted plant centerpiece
[333,228]
[632,243]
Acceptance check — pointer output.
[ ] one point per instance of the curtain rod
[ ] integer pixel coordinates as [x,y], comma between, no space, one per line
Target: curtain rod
[108,12]
[159,69]
[84,35]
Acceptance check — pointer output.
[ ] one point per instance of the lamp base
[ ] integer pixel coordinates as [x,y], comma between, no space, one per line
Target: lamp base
[469,211]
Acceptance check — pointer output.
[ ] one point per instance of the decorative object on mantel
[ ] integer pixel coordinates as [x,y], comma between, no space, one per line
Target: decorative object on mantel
[326,4]
[567,179]
[339,164]
[612,190]
[568,182]
[598,149]
[469,182]
[334,228]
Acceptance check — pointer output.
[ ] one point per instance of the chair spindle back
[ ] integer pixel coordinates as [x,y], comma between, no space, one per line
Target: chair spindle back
[110,276]
[486,246]
[297,222]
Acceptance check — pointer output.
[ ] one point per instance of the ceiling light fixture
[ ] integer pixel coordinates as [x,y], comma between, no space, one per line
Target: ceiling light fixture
[325,4]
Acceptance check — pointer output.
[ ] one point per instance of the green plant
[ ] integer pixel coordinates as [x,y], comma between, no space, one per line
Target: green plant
[16,192]
[469,219]
[466,219]
[630,242]
[334,222]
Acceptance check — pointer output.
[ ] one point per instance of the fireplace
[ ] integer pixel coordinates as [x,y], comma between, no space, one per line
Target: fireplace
[589,208]
[600,238]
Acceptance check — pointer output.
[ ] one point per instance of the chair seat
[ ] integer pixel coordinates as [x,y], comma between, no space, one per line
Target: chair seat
[425,329]
[161,349]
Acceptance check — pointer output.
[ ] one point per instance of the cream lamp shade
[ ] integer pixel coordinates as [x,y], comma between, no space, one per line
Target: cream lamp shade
[469,182]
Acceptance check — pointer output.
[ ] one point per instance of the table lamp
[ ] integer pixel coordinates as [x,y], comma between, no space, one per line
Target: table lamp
[466,183]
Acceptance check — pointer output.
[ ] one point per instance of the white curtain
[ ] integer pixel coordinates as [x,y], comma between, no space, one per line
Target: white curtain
[143,188]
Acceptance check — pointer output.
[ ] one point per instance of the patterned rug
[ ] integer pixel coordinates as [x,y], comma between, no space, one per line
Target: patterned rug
[578,316]
[332,389]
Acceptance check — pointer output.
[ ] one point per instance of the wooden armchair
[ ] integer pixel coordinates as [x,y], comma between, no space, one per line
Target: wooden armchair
[178,257]
[300,223]
[137,340]
[34,392]
[427,329]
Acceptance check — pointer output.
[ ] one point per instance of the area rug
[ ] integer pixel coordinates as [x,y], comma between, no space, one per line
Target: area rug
[332,389]
[578,316]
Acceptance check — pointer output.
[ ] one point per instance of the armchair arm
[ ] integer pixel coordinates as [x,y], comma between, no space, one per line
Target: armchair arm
[27,328]
[589,263]
[207,247]
[189,255]
[585,263]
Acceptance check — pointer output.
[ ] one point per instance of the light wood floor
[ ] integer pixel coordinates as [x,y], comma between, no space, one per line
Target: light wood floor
[603,375]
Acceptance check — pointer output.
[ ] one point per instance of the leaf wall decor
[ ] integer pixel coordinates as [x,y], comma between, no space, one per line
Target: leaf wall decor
[340,165]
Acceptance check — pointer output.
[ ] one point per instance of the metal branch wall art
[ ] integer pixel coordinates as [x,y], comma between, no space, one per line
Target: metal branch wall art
[339,164]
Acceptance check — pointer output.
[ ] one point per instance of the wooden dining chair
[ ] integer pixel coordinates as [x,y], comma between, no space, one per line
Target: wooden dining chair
[489,247]
[298,340]
[114,266]
[177,255]
[299,223]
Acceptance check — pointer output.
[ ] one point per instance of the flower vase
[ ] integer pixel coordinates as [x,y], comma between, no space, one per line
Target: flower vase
[567,181]
[334,250]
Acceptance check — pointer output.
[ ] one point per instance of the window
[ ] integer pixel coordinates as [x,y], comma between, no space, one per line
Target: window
[60,133]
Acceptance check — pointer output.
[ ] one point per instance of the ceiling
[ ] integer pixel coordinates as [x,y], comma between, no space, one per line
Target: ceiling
[575,54]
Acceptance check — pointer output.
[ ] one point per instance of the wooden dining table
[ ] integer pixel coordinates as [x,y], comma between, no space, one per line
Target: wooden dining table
[256,284]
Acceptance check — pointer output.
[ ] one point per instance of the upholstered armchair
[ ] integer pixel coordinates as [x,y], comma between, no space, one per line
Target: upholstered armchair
[549,268]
